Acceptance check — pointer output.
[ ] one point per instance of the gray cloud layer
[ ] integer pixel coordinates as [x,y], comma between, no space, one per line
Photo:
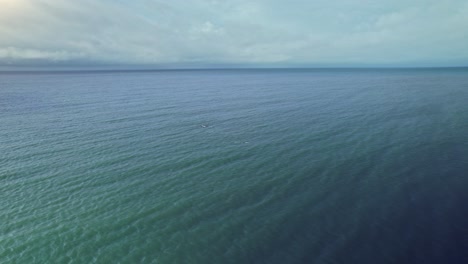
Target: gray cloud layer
[318,32]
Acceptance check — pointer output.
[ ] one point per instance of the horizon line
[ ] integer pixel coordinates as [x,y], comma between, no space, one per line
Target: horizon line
[129,69]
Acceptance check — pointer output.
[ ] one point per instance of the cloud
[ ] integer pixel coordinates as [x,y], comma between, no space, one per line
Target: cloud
[154,32]
[33,54]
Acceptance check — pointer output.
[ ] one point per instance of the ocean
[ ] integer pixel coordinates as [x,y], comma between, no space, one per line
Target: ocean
[234,166]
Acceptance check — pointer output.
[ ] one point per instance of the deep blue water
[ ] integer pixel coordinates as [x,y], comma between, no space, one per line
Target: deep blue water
[234,166]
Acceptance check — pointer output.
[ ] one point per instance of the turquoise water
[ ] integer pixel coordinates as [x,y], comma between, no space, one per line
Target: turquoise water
[234,166]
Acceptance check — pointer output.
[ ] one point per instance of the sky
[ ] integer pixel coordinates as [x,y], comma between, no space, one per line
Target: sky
[330,33]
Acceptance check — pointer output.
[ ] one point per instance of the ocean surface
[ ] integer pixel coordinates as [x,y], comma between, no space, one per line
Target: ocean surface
[234,166]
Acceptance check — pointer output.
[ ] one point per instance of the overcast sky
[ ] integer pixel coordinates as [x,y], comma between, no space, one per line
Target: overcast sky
[234,32]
